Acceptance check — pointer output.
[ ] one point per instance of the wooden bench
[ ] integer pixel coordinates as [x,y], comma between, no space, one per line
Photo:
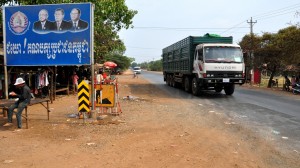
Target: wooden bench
[5,103]
[62,89]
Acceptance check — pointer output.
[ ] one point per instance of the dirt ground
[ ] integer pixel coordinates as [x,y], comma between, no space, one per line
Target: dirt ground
[153,130]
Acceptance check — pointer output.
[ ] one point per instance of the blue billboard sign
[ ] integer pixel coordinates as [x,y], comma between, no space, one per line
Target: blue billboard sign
[44,35]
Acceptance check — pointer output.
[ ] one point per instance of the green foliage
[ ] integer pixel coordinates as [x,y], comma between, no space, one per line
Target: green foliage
[131,59]
[134,64]
[288,40]
[249,42]
[152,65]
[276,50]
[145,65]
[156,65]
[110,17]
[123,62]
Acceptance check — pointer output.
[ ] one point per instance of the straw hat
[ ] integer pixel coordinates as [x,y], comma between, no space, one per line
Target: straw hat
[19,81]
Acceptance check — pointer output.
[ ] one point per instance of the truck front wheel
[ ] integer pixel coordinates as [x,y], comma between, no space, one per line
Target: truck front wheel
[195,87]
[229,89]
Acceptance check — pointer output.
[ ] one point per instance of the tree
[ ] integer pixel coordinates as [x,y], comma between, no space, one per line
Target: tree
[123,62]
[145,65]
[250,44]
[270,54]
[288,39]
[156,65]
[110,17]
[276,50]
[134,64]
[152,65]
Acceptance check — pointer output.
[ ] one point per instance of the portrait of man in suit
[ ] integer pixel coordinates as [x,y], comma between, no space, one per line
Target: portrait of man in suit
[76,22]
[43,24]
[60,24]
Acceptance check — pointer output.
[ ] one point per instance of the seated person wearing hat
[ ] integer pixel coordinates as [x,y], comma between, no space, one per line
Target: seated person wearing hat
[23,99]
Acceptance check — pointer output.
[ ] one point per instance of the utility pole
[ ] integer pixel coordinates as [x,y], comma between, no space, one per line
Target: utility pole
[251,53]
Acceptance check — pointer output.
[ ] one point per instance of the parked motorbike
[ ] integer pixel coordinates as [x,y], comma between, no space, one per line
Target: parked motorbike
[296,89]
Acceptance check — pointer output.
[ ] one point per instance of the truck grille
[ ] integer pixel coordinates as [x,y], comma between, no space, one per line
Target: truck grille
[223,74]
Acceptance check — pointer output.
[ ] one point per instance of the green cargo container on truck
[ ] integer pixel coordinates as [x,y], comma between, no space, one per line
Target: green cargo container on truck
[206,62]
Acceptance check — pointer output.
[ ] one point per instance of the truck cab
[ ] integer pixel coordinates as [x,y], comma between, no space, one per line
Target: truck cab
[218,66]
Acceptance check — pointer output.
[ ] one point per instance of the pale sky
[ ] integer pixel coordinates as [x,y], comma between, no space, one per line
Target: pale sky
[160,23]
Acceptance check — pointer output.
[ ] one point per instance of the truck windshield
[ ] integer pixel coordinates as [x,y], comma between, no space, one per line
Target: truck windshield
[217,54]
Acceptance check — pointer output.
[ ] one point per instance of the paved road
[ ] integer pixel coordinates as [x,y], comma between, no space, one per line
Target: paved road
[271,114]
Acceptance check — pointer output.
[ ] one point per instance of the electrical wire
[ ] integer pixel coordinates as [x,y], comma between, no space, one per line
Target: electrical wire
[271,14]
[179,28]
[263,16]
[143,48]
[277,12]
[234,27]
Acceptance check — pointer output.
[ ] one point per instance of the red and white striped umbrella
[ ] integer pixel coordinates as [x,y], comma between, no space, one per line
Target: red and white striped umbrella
[110,64]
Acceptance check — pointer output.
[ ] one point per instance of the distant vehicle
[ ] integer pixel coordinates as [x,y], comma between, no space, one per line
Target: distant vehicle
[137,70]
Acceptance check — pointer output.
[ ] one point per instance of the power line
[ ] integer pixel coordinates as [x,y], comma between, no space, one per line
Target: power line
[277,11]
[264,18]
[142,48]
[234,27]
[181,28]
[271,14]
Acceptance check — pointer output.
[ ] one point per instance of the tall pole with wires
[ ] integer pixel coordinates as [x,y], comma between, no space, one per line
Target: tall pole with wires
[251,53]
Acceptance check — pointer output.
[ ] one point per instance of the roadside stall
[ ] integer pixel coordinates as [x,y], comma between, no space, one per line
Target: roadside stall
[106,90]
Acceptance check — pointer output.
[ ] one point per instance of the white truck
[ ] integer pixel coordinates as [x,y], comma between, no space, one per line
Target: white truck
[208,62]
